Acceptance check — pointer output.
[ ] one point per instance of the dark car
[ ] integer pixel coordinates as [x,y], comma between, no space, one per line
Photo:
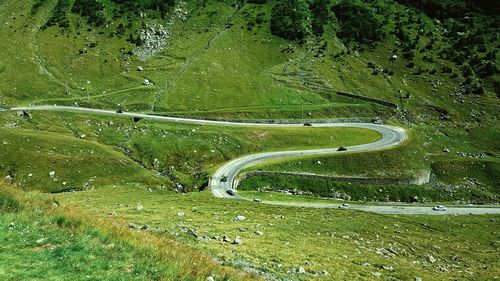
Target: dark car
[230,192]
[307,124]
[119,111]
[223,179]
[341,148]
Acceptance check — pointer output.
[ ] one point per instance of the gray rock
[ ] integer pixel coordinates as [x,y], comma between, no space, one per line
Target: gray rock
[140,68]
[139,207]
[301,270]
[240,218]
[190,231]
[260,233]
[387,267]
[237,241]
[226,239]
[431,259]
[180,214]
[210,278]
[376,274]
[41,240]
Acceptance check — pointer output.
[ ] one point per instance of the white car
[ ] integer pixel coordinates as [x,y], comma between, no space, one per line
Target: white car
[439,208]
[345,206]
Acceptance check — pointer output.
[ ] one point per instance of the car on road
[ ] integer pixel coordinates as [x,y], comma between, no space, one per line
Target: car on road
[341,148]
[119,111]
[439,208]
[230,192]
[344,206]
[307,124]
[256,200]
[223,179]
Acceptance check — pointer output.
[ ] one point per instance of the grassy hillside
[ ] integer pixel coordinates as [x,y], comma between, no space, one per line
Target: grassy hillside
[329,244]
[89,151]
[44,241]
[428,65]
[460,174]
[220,58]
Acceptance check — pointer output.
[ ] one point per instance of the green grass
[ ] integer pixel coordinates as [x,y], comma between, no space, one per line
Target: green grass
[338,241]
[453,178]
[116,146]
[389,163]
[366,192]
[208,70]
[29,156]
[40,242]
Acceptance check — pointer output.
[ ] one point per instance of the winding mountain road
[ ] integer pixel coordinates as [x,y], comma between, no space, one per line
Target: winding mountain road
[225,178]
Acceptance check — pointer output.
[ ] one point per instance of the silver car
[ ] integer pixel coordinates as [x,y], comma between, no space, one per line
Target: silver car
[439,208]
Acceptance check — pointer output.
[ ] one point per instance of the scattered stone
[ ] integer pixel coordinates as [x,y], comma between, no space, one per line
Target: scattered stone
[190,231]
[301,270]
[180,214]
[394,57]
[41,240]
[387,267]
[140,68]
[376,274]
[240,218]
[431,259]
[146,82]
[418,279]
[225,238]
[446,150]
[237,240]
[52,174]
[132,226]
[139,207]
[260,233]
[210,278]
[54,205]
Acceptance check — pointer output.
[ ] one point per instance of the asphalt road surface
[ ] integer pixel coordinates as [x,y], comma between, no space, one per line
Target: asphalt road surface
[223,184]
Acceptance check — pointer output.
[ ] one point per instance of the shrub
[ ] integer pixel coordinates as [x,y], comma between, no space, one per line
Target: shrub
[91,9]
[358,23]
[291,19]
[319,10]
